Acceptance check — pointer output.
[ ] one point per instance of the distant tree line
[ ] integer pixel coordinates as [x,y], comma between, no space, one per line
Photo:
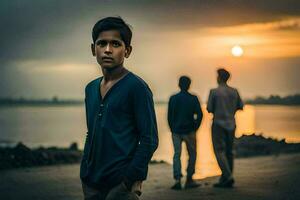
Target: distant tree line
[272,100]
[23,101]
[276,100]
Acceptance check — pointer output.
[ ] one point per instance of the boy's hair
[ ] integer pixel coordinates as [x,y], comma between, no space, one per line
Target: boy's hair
[184,83]
[223,74]
[113,23]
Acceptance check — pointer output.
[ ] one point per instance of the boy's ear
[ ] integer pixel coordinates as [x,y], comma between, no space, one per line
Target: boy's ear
[128,51]
[93,49]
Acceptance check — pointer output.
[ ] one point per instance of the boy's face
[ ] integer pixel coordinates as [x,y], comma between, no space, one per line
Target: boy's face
[110,50]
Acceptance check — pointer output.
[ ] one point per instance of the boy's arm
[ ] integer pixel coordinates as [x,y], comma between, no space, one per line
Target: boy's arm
[86,144]
[146,132]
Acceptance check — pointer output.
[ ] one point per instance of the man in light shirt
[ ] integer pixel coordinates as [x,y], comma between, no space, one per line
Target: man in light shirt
[223,102]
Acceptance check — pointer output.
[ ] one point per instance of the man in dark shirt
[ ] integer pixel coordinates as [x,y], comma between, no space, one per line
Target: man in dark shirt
[184,117]
[223,102]
[121,122]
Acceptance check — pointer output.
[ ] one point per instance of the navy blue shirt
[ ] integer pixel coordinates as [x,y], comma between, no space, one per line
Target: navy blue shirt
[184,113]
[122,132]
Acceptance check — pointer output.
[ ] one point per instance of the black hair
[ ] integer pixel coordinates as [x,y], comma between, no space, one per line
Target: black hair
[113,23]
[184,83]
[223,74]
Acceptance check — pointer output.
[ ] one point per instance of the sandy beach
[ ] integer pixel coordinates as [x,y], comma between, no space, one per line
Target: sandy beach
[269,177]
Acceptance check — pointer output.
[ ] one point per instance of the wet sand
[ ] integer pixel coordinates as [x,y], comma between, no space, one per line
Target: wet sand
[270,177]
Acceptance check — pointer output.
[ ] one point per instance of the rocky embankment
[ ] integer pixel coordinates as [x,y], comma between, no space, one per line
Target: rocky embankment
[23,156]
[256,145]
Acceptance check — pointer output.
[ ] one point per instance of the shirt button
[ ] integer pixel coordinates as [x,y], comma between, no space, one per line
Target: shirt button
[101,105]
[100,114]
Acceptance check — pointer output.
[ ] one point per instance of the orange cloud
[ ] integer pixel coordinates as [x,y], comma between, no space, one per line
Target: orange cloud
[264,40]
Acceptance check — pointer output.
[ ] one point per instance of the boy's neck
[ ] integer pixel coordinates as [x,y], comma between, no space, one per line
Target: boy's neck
[114,74]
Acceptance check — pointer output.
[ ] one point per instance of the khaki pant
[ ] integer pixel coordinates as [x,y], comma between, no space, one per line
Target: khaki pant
[119,192]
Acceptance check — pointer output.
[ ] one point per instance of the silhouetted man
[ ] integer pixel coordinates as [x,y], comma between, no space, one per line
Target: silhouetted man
[184,117]
[223,102]
[121,122]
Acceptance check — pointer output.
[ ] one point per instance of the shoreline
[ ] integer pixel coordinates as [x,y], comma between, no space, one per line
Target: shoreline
[265,177]
[81,103]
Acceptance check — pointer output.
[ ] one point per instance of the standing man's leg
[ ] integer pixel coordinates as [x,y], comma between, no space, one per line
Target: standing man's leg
[191,144]
[190,141]
[229,148]
[219,144]
[177,140]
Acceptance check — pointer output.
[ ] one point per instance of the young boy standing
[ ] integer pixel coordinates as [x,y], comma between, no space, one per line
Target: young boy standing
[121,122]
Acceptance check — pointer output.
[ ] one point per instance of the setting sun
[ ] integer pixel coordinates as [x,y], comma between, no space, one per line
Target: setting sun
[237,51]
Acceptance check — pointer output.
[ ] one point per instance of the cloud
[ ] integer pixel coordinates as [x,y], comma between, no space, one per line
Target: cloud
[273,39]
[50,37]
[290,24]
[286,24]
[293,24]
[59,30]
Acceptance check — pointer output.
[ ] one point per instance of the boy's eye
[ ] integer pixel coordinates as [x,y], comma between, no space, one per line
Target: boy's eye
[116,43]
[102,43]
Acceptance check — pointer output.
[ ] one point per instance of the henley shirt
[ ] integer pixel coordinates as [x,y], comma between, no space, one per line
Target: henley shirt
[122,132]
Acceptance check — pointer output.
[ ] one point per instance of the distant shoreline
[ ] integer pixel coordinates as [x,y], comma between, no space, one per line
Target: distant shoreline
[6,102]
[41,104]
[63,104]
[275,100]
[291,100]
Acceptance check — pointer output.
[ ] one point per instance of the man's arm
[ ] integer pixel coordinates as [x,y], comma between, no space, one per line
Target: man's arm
[147,133]
[240,104]
[210,103]
[198,112]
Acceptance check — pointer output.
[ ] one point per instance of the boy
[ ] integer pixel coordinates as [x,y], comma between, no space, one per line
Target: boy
[121,122]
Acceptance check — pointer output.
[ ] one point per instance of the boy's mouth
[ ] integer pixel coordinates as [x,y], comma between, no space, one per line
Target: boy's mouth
[107,59]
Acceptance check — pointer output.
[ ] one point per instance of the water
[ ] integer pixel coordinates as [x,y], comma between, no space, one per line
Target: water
[61,125]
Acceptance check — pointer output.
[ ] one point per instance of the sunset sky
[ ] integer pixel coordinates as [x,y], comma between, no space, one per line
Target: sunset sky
[45,45]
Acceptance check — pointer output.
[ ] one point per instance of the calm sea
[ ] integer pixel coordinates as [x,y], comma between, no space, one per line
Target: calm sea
[61,125]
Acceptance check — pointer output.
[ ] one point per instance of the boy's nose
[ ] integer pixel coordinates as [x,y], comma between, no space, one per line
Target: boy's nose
[108,48]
